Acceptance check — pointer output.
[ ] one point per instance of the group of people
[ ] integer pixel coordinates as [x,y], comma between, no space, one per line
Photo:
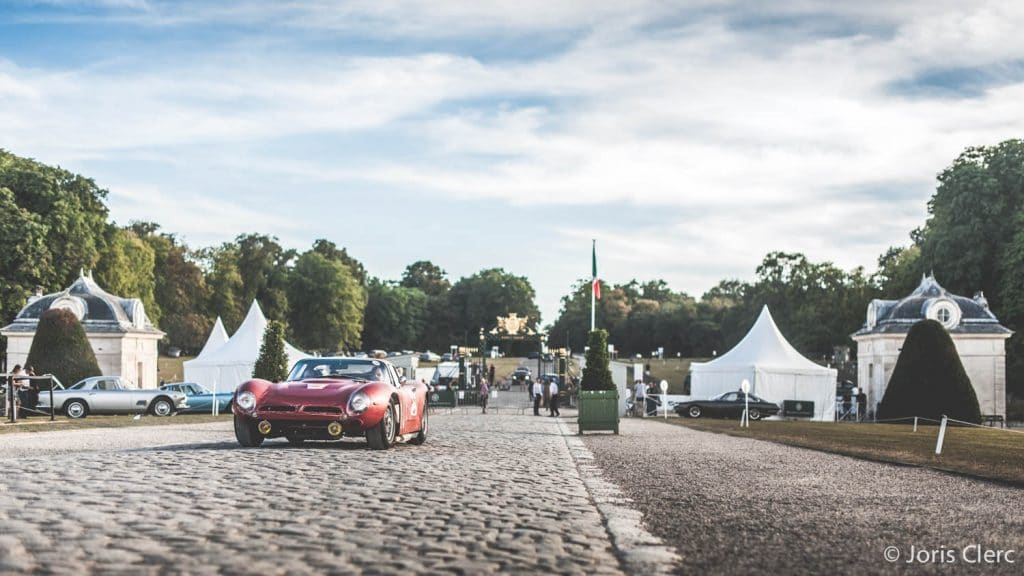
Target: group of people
[545,395]
[26,392]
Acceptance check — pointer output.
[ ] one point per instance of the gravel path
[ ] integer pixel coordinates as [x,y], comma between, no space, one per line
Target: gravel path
[485,494]
[737,506]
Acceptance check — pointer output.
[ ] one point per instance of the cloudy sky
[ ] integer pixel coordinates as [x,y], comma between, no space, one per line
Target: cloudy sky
[688,138]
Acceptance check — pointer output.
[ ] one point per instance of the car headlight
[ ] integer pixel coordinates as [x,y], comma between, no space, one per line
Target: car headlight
[359,402]
[246,400]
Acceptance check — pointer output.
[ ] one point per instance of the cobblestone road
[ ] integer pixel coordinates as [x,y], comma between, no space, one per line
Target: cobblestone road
[738,506]
[485,494]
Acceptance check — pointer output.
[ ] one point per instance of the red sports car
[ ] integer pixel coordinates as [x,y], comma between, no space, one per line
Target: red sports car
[330,398]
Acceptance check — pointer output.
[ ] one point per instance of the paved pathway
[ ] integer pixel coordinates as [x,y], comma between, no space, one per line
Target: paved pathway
[737,506]
[485,494]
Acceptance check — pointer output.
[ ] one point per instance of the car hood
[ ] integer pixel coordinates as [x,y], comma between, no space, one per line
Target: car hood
[312,389]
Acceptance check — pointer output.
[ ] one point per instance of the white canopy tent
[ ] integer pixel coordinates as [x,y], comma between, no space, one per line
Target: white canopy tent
[776,371]
[218,337]
[231,363]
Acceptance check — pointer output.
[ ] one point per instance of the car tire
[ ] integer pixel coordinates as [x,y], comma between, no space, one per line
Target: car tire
[754,414]
[161,407]
[421,437]
[295,440]
[76,409]
[694,412]
[382,436]
[246,432]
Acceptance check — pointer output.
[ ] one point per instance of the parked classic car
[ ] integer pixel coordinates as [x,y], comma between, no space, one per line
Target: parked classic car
[111,395]
[200,398]
[728,405]
[330,398]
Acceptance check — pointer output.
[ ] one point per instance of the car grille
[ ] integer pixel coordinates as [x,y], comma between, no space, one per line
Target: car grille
[277,409]
[322,409]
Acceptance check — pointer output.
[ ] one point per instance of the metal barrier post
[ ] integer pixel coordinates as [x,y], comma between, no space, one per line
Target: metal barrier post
[52,409]
[942,436]
[12,405]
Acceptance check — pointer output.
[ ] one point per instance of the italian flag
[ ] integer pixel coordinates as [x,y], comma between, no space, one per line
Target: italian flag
[595,283]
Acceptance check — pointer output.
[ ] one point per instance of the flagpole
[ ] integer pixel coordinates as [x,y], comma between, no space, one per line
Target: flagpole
[593,296]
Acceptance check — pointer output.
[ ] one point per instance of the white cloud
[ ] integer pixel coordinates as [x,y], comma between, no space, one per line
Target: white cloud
[743,138]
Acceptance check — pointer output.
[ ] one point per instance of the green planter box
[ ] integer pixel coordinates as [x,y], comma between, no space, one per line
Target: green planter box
[598,410]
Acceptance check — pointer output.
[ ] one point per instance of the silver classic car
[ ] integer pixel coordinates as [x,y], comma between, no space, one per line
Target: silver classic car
[112,395]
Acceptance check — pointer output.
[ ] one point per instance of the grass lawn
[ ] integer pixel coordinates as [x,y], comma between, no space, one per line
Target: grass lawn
[171,369]
[672,370]
[43,424]
[985,453]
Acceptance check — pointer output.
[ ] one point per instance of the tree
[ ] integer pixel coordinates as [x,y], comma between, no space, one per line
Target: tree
[476,301]
[272,363]
[23,257]
[929,380]
[972,238]
[328,304]
[226,286]
[126,268]
[426,276]
[395,316]
[181,290]
[263,266]
[330,250]
[899,271]
[60,347]
[69,206]
[596,375]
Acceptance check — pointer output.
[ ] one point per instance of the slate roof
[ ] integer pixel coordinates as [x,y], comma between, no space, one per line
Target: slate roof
[897,316]
[98,310]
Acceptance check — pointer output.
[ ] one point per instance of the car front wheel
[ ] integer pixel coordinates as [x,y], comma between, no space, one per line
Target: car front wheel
[754,414]
[246,432]
[694,412]
[76,409]
[382,436]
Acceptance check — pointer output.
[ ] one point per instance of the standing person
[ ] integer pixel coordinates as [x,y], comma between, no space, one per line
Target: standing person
[639,396]
[538,395]
[20,386]
[490,374]
[32,394]
[485,393]
[553,395]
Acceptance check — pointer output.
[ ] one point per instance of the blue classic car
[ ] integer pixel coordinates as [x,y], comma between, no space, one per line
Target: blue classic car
[200,398]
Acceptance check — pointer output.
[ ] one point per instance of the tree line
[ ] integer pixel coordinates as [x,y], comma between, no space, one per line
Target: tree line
[54,224]
[973,240]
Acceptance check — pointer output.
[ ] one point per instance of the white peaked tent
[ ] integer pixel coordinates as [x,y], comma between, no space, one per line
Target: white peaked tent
[776,371]
[218,337]
[231,363]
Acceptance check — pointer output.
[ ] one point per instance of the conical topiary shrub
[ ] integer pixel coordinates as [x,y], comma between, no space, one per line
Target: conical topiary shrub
[929,380]
[596,375]
[60,347]
[272,363]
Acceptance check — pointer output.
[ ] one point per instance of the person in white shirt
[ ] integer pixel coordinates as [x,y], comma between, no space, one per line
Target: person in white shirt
[553,402]
[639,396]
[538,395]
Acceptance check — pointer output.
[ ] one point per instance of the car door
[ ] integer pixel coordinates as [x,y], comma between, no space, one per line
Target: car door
[130,398]
[725,405]
[411,410]
[103,397]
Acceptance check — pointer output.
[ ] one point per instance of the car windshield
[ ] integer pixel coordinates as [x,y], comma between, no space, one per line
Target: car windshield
[79,386]
[354,368]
